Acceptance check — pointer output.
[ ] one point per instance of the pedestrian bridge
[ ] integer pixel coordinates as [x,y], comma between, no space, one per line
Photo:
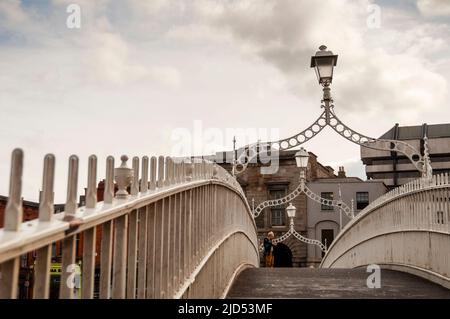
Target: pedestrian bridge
[183,229]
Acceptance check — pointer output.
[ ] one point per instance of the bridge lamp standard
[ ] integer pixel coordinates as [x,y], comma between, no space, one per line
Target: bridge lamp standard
[291,210]
[324,62]
[301,159]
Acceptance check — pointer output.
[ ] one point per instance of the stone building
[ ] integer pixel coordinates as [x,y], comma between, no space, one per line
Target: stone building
[395,169]
[324,222]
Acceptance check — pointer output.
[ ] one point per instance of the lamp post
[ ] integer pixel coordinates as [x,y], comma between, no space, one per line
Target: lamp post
[301,159]
[323,63]
[290,211]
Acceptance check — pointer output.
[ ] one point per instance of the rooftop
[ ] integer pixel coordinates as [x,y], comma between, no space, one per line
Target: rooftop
[417,132]
[339,180]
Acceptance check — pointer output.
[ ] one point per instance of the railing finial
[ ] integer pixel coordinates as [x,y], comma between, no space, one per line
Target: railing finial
[109,180]
[161,170]
[153,164]
[144,174]
[72,189]
[13,211]
[91,194]
[135,183]
[46,206]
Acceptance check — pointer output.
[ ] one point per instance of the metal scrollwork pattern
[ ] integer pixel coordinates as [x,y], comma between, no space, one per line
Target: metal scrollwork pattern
[329,202]
[248,153]
[275,202]
[328,117]
[302,188]
[293,232]
[283,237]
[309,241]
[378,144]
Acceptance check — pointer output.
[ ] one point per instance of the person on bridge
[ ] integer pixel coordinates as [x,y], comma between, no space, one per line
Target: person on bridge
[268,249]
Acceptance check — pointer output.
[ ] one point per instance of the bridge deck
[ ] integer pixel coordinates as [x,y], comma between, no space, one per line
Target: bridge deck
[330,283]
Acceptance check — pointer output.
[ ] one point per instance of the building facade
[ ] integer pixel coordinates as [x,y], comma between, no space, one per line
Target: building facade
[324,222]
[395,169]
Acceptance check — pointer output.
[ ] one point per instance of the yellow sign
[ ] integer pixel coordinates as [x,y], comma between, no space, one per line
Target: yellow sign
[55,269]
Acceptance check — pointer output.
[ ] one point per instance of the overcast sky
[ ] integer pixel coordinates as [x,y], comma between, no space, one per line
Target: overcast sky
[137,73]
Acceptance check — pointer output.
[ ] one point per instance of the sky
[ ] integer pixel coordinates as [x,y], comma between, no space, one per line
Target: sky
[181,77]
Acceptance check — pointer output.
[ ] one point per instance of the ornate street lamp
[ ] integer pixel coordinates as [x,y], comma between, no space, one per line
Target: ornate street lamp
[302,158]
[323,63]
[291,210]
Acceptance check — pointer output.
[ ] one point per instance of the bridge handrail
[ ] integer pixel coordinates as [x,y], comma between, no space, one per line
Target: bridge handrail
[197,202]
[35,233]
[407,229]
[418,185]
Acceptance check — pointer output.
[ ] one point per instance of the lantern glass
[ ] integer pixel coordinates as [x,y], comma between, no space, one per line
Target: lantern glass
[323,63]
[301,158]
[291,210]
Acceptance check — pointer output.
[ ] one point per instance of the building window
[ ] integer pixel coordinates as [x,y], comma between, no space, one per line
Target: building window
[278,212]
[277,217]
[327,195]
[362,200]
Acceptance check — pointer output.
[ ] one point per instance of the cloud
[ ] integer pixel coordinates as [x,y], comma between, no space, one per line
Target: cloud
[434,8]
[368,77]
[149,8]
[12,13]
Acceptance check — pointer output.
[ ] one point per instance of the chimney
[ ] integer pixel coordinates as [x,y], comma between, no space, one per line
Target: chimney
[341,172]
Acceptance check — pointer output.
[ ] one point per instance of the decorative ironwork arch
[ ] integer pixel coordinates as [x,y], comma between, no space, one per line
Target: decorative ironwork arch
[293,232]
[249,153]
[302,188]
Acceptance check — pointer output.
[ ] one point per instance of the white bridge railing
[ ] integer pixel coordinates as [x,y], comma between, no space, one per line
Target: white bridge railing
[407,229]
[184,231]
